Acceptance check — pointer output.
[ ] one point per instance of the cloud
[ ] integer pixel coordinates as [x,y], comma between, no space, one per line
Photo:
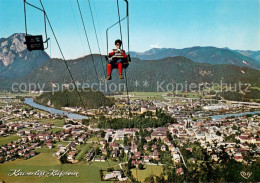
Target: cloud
[155,46]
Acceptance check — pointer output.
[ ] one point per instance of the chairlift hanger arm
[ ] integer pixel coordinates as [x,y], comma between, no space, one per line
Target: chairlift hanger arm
[126,1]
[110,28]
[42,10]
[116,23]
[122,18]
[47,39]
[34,6]
[127,12]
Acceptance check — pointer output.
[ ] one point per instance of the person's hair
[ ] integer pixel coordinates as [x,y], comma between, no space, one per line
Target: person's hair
[118,41]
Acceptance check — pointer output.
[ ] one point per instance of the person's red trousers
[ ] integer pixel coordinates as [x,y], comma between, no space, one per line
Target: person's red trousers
[109,68]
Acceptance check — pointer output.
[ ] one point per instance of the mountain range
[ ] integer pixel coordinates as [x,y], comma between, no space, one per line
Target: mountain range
[211,55]
[189,65]
[253,54]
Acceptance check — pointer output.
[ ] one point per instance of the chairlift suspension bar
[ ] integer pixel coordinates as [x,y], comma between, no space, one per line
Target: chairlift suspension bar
[34,6]
[44,14]
[110,28]
[119,21]
[128,32]
[45,27]
[120,27]
[25,21]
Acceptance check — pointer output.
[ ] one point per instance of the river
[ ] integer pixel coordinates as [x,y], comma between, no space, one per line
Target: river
[30,102]
[229,115]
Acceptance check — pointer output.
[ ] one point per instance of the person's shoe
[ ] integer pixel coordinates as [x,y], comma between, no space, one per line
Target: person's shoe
[108,78]
[121,76]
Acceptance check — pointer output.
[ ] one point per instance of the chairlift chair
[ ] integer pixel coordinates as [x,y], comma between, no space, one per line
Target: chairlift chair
[126,61]
[35,42]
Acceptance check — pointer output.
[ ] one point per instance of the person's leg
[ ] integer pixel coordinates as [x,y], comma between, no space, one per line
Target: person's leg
[109,69]
[120,68]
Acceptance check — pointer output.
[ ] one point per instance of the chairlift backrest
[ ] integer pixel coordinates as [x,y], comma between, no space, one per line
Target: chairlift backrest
[34,42]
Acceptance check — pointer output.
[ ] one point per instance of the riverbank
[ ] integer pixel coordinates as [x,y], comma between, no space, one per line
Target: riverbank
[30,102]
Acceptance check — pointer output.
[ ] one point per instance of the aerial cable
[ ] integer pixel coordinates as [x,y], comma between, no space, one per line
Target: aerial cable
[85,31]
[104,70]
[61,53]
[98,25]
[90,52]
[81,40]
[93,21]
[46,17]
[71,6]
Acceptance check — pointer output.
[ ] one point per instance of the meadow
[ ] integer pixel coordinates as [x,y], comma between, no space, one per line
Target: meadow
[56,122]
[8,139]
[47,162]
[149,170]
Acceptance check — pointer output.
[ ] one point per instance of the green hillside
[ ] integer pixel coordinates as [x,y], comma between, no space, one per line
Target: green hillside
[172,70]
[91,99]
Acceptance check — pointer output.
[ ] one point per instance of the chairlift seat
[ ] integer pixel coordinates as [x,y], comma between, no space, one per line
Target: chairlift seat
[34,42]
[125,63]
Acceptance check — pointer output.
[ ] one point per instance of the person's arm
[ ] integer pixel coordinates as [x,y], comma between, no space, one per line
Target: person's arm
[111,54]
[123,54]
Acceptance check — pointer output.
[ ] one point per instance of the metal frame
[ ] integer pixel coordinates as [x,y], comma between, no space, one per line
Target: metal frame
[127,16]
[44,13]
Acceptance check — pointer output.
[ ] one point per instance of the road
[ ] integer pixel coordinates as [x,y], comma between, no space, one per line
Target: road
[65,151]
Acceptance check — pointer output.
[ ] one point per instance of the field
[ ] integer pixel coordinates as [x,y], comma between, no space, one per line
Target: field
[46,162]
[159,95]
[146,95]
[2,104]
[194,95]
[1,114]
[149,170]
[56,122]
[83,150]
[256,88]
[55,130]
[5,140]
[119,141]
[191,95]
[87,173]
[62,143]
[93,139]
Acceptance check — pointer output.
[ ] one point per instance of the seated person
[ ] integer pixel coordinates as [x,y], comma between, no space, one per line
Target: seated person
[116,58]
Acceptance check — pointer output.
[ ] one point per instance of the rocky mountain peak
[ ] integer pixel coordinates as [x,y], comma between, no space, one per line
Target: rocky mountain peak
[16,60]
[11,48]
